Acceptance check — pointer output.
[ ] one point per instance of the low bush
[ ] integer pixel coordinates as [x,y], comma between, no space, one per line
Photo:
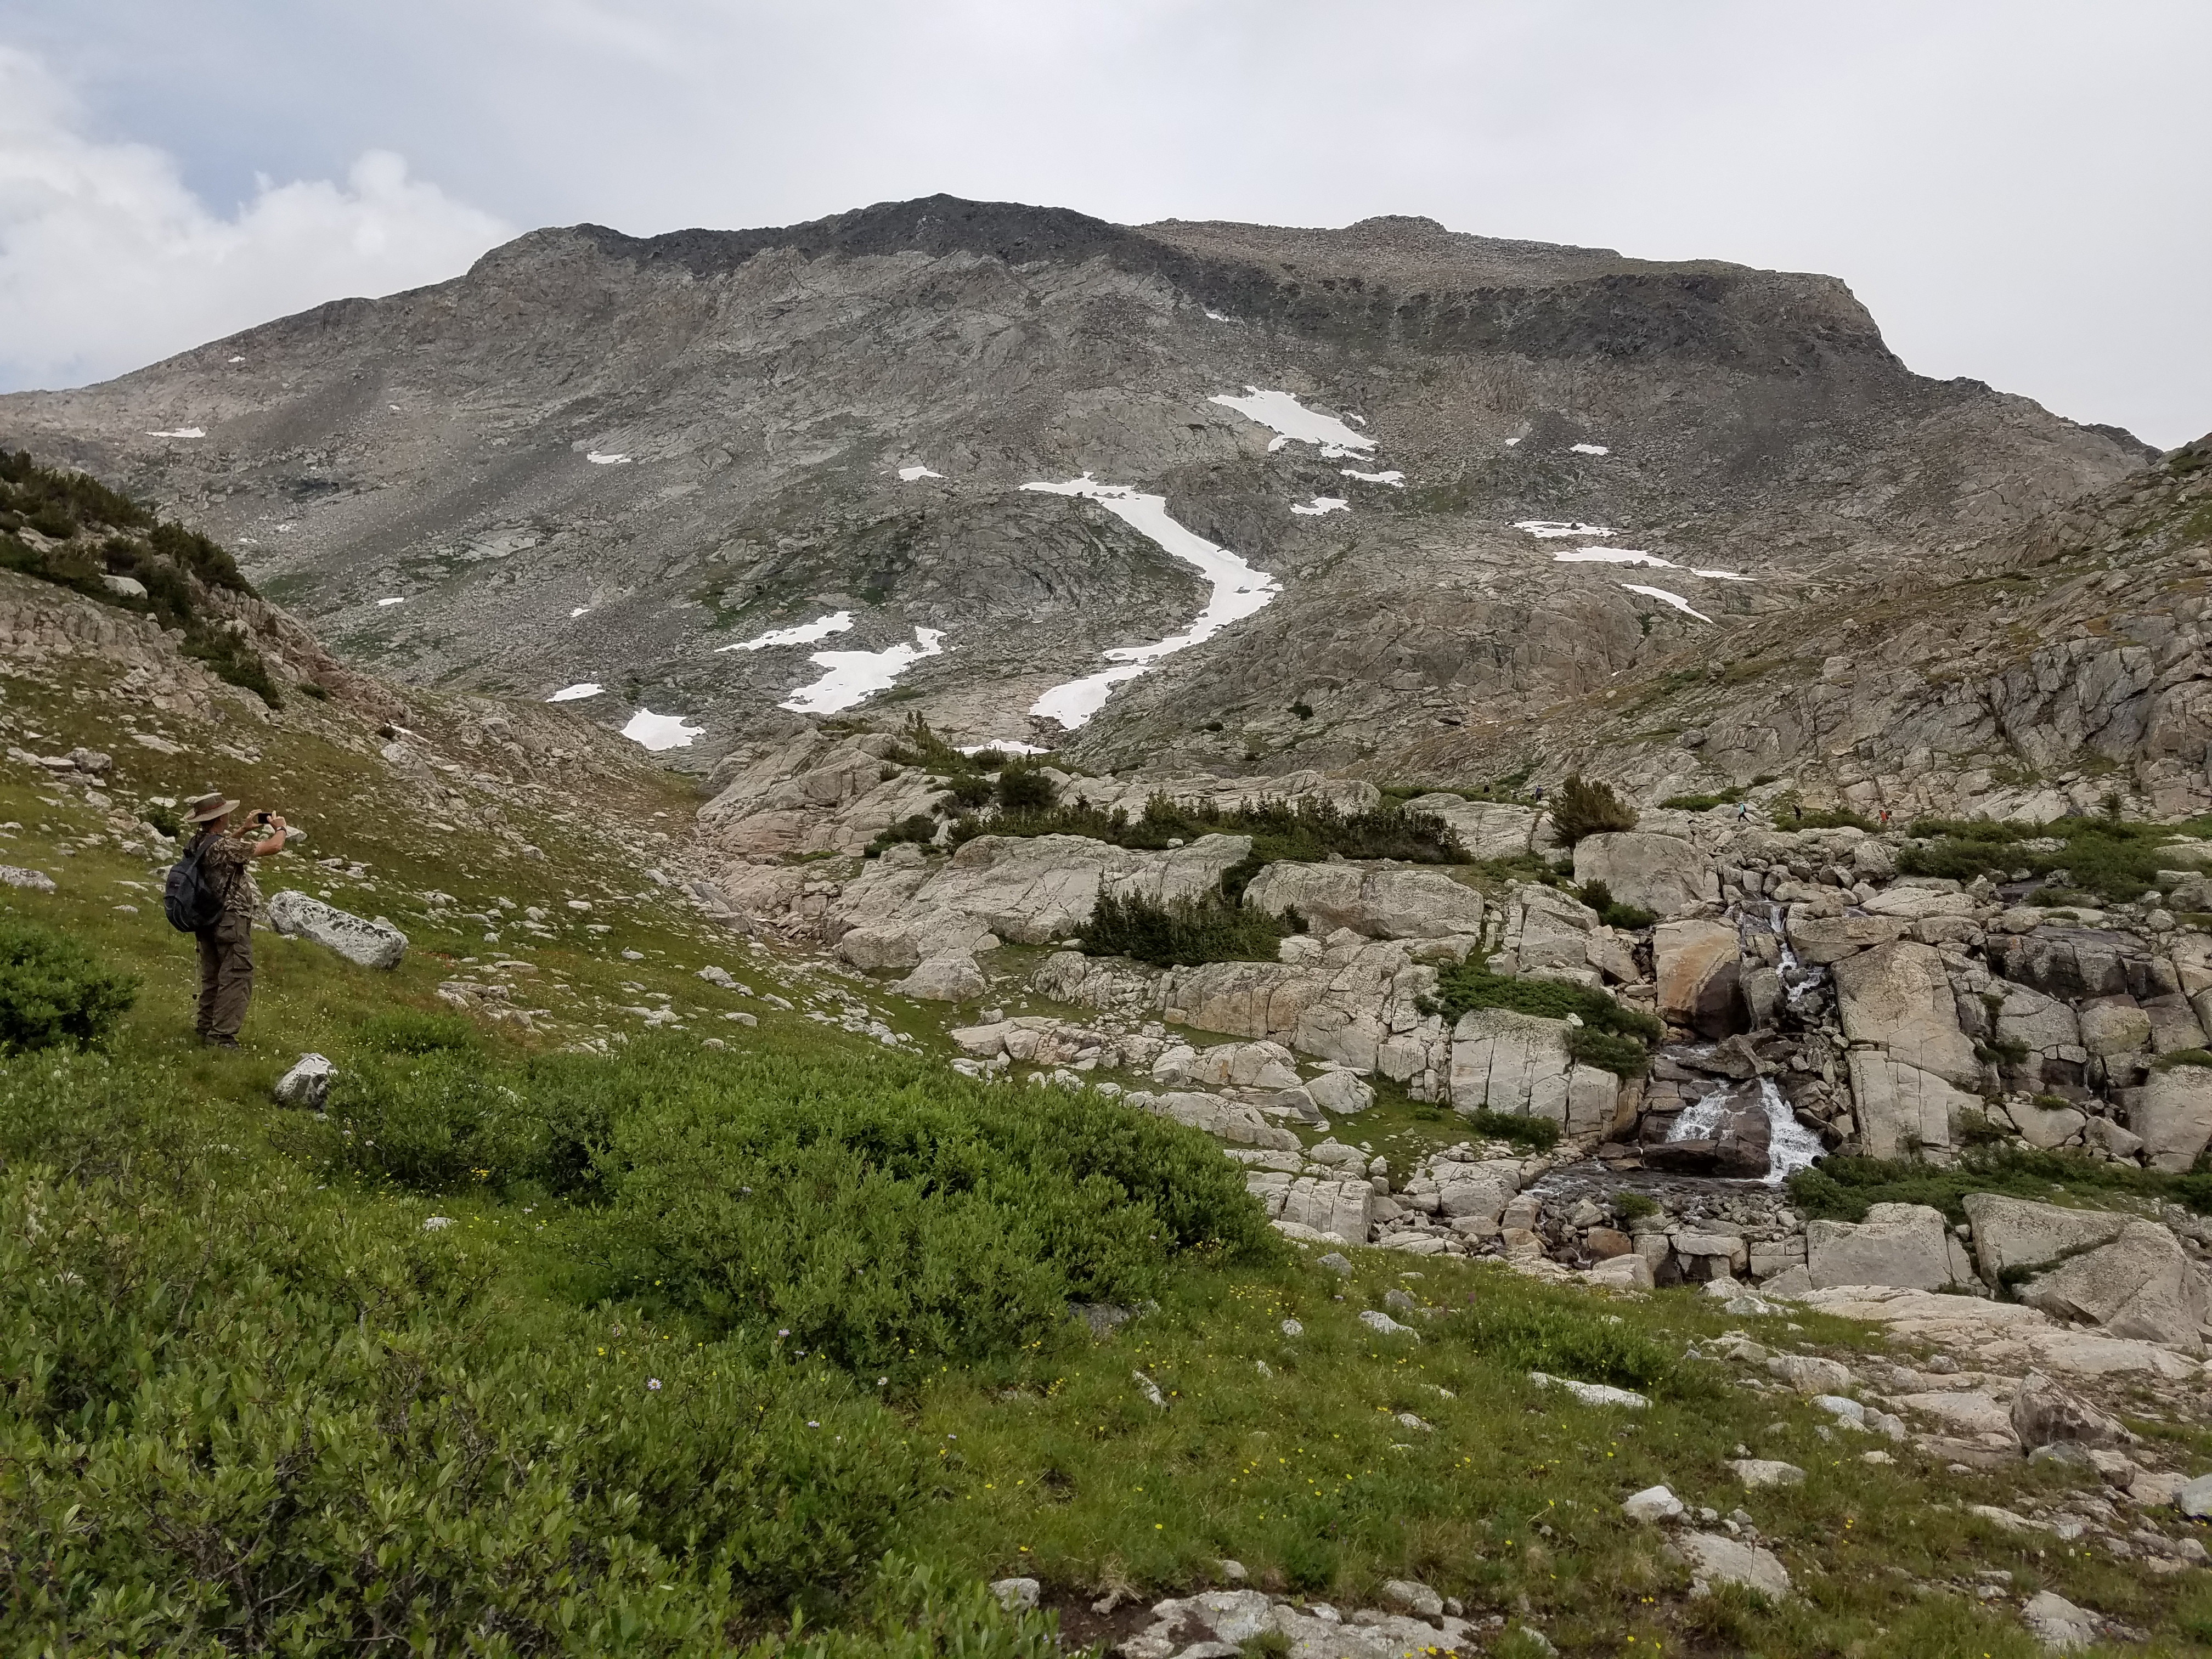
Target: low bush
[1307,833]
[1566,1337]
[891,1221]
[413,1031]
[1023,788]
[1181,934]
[1634,1207]
[1581,808]
[2182,1057]
[1844,1189]
[2104,859]
[918,829]
[1613,1037]
[1611,911]
[1538,1133]
[1702,803]
[53,992]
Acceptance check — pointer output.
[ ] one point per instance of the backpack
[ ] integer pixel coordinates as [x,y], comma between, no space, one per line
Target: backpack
[190,900]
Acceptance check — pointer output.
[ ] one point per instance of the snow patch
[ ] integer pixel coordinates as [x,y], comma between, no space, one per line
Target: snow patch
[1665,598]
[1588,449]
[1216,317]
[1552,530]
[580,610]
[658,732]
[236,360]
[837,622]
[910,473]
[1611,556]
[179,432]
[576,693]
[1293,422]
[1323,504]
[1395,478]
[597,459]
[1238,591]
[854,675]
[1008,746]
[398,599]
[1725,575]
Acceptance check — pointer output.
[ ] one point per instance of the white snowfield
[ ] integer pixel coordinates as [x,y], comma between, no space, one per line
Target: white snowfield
[837,622]
[580,610]
[597,459]
[1238,591]
[400,599]
[1293,422]
[658,731]
[1665,598]
[1395,478]
[852,675]
[179,432]
[1590,449]
[577,693]
[911,473]
[1322,504]
[1557,530]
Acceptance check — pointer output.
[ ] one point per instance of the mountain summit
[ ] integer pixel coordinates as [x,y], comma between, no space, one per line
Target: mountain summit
[1230,497]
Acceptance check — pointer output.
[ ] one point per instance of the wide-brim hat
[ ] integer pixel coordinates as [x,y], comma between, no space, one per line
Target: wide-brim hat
[209,807]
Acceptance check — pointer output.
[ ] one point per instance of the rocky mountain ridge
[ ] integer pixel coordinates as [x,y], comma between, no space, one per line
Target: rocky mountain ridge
[635,464]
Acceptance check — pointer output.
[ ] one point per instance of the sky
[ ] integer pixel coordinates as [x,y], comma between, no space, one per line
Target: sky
[2017,188]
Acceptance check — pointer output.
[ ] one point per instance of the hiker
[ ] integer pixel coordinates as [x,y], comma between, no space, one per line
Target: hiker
[1743,812]
[223,858]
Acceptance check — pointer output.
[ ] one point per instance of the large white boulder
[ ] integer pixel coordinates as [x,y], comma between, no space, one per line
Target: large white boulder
[1898,995]
[1380,901]
[1505,1061]
[2018,1232]
[1231,1120]
[1903,1110]
[375,944]
[2174,1116]
[2139,1285]
[945,979]
[1488,829]
[1544,929]
[1908,1245]
[1663,874]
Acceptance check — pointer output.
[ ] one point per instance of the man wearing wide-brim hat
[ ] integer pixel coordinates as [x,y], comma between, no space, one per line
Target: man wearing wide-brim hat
[227,943]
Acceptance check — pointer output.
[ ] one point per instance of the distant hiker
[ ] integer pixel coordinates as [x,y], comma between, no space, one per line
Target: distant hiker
[1796,813]
[1540,794]
[1885,818]
[211,896]
[1743,812]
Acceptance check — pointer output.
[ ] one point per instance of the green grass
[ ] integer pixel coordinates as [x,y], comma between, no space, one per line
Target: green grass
[2108,859]
[1842,1189]
[1611,1037]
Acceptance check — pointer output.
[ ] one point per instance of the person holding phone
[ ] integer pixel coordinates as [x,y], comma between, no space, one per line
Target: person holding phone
[226,945]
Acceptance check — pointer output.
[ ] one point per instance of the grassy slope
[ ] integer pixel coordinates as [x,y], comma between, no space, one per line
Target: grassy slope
[1052,1463]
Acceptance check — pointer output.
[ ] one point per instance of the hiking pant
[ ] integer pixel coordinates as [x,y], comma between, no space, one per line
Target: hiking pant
[226,975]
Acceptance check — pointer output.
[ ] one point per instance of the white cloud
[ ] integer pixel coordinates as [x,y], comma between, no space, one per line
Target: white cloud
[108,261]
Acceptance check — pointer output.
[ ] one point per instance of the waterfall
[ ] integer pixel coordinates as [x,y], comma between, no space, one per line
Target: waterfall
[1791,1146]
[1697,1120]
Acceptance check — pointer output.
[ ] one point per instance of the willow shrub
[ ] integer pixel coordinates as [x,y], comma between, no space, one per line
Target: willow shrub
[238,1413]
[892,1215]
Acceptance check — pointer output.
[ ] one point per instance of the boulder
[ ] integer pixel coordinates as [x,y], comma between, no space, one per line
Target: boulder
[306,1085]
[1505,1061]
[2173,1116]
[2057,1624]
[35,881]
[375,944]
[2173,1024]
[1898,995]
[2018,1232]
[1715,1559]
[1907,1245]
[1901,1109]
[1759,1472]
[2139,1285]
[1663,874]
[1544,930]
[945,979]
[1017,1595]
[1699,965]
[2045,1414]
[1259,1065]
[2047,1127]
[1378,900]
[1821,940]
[2114,1025]
[1231,1120]
[1475,1189]
[1488,829]
[1653,1503]
[1341,1094]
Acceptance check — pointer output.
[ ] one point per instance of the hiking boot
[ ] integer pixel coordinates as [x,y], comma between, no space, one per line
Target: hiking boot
[219,1042]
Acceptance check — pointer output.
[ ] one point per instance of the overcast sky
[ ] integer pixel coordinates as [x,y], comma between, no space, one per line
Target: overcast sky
[2017,190]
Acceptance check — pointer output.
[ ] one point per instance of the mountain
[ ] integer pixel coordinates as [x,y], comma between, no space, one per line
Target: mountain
[600,460]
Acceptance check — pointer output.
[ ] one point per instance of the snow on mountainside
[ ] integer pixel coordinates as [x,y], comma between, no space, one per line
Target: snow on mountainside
[1414,484]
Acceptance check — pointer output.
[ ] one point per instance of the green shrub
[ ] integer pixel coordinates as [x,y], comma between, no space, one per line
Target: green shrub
[53,992]
[413,1031]
[918,829]
[1844,1189]
[1611,1037]
[1634,1207]
[232,660]
[1023,787]
[1581,809]
[1181,934]
[918,1612]
[1307,832]
[2104,860]
[1702,803]
[1538,1133]
[163,818]
[1611,911]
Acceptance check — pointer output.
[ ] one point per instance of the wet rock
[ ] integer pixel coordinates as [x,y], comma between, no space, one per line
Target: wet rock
[1698,966]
